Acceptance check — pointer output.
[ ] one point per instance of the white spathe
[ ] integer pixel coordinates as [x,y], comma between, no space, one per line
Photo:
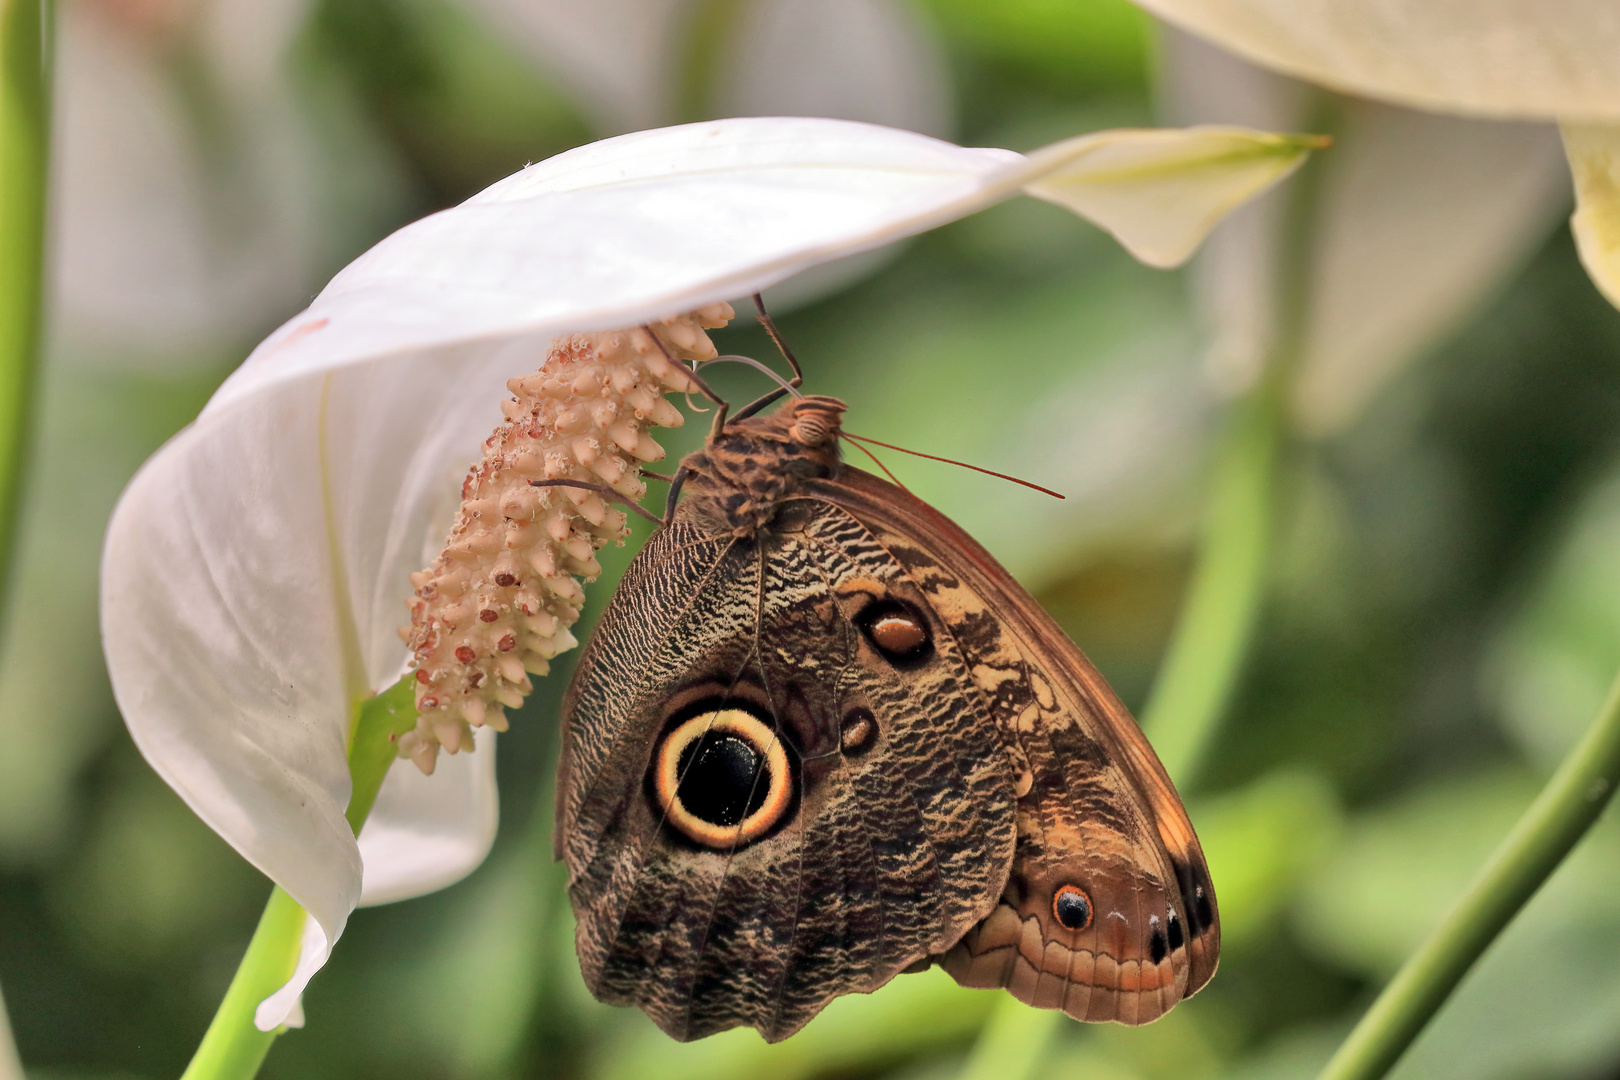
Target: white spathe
[257,568]
[1414,218]
[1505,59]
[1594,158]
[1498,59]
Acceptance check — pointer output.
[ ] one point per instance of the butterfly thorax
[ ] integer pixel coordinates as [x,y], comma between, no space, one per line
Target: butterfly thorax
[736,483]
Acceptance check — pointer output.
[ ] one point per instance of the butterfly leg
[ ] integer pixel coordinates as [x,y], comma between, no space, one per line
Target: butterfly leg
[606,492]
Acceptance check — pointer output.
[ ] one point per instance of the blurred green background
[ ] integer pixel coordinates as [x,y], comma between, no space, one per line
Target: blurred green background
[1442,611]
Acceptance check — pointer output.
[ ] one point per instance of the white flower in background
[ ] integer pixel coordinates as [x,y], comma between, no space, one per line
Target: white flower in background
[1415,218]
[179,232]
[257,570]
[631,63]
[190,211]
[1503,59]
[635,64]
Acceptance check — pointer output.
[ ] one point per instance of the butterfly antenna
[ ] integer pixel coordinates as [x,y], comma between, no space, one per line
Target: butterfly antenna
[607,493]
[875,461]
[720,404]
[949,461]
[788,387]
[776,336]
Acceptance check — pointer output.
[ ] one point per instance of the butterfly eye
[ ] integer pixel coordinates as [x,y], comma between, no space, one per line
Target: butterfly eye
[722,779]
[897,632]
[857,732]
[1072,907]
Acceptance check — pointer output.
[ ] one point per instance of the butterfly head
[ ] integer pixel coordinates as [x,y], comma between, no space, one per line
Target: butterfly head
[739,479]
[813,420]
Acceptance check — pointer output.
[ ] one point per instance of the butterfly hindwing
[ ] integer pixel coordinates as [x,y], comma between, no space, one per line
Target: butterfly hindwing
[901,823]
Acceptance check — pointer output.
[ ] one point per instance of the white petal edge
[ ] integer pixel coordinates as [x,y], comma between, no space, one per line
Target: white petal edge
[285,1006]
[233,650]
[1507,59]
[1594,160]
[658,222]
[427,832]
[1419,217]
[1160,191]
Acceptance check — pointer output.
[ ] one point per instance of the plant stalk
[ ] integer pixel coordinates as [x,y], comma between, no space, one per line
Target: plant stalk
[1211,638]
[25,68]
[1200,669]
[233,1047]
[1566,808]
[10,1063]
[25,138]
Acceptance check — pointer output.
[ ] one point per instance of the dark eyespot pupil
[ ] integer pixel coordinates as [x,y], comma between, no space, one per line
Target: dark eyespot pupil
[1157,947]
[1206,914]
[1072,908]
[1176,937]
[720,781]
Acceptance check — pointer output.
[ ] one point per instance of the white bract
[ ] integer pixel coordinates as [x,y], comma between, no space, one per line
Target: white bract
[1503,59]
[257,569]
[1410,223]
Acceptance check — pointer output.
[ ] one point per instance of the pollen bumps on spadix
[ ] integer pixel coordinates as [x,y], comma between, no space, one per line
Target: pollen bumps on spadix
[497,603]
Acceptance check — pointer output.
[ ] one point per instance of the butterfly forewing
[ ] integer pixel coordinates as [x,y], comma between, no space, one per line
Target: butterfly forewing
[1096,810]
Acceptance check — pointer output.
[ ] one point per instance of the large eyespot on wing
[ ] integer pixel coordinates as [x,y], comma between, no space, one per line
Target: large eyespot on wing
[722,777]
[895,840]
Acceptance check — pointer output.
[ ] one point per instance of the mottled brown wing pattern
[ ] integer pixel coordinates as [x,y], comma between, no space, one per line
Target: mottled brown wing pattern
[892,850]
[1096,810]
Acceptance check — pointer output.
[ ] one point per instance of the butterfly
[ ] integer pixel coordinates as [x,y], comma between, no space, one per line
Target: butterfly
[821,737]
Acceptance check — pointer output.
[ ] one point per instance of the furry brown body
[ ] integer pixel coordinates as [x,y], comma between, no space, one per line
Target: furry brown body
[960,784]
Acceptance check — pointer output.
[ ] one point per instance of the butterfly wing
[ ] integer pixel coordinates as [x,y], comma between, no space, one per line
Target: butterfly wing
[1096,812]
[897,829]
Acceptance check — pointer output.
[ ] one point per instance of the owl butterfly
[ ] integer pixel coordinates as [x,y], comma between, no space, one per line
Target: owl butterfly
[821,737]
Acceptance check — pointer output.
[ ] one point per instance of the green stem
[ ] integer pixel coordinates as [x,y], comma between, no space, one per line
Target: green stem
[25,121]
[1212,633]
[1013,1041]
[708,30]
[1200,669]
[1211,639]
[1555,822]
[233,1047]
[24,155]
[10,1063]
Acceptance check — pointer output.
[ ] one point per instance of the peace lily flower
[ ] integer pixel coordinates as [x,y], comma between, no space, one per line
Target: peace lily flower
[1511,59]
[259,569]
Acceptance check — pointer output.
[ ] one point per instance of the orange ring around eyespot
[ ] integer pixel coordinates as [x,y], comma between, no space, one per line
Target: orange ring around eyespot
[766,742]
[1085,897]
